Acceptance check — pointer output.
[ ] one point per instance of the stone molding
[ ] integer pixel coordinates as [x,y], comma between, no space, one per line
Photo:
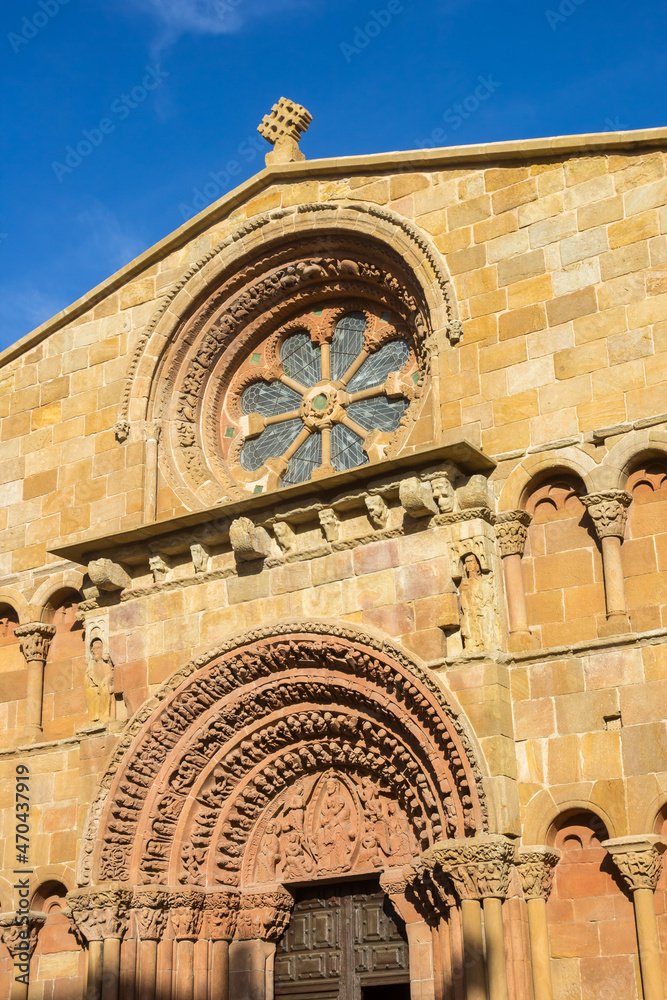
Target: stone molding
[608,511]
[35,640]
[512,531]
[536,868]
[638,859]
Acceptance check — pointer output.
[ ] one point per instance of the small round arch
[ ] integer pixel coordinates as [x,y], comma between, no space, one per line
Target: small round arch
[536,467]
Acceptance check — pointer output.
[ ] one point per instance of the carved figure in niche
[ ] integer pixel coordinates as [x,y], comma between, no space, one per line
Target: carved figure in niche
[378,511]
[480,627]
[334,835]
[98,682]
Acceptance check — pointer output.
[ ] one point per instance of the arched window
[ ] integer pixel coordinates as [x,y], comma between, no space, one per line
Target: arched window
[64,706]
[12,677]
[644,550]
[322,394]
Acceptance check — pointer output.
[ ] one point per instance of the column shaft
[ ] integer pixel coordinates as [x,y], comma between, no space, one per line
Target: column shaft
[540,958]
[19,990]
[128,969]
[165,966]
[184,973]
[649,945]
[218,984]
[473,949]
[150,482]
[94,980]
[614,582]
[201,969]
[34,698]
[516,593]
[496,959]
[147,969]
[111,969]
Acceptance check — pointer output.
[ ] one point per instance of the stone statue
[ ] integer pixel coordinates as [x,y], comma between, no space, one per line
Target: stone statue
[99,683]
[480,627]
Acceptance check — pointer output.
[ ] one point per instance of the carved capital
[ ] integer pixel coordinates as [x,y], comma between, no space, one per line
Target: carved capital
[478,868]
[535,868]
[264,915]
[99,913]
[512,531]
[221,910]
[609,511]
[638,859]
[152,430]
[151,909]
[19,934]
[35,639]
[186,912]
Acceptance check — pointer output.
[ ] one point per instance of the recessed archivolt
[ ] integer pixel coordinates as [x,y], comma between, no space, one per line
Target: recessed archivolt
[202,762]
[270,232]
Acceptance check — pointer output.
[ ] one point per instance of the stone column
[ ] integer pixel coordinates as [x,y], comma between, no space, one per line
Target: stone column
[261,921]
[152,431]
[150,913]
[186,920]
[608,511]
[35,640]
[20,940]
[511,532]
[100,916]
[221,910]
[535,868]
[480,871]
[639,860]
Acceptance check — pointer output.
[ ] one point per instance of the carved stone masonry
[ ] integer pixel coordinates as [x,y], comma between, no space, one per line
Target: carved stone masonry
[638,859]
[186,915]
[108,575]
[248,540]
[512,531]
[417,498]
[330,524]
[20,935]
[99,913]
[535,868]
[608,509]
[264,916]
[478,868]
[221,910]
[283,128]
[378,512]
[151,909]
[35,639]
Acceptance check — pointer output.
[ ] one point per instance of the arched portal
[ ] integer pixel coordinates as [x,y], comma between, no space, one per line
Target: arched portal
[295,756]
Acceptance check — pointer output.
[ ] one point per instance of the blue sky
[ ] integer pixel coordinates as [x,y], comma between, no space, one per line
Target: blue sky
[181,85]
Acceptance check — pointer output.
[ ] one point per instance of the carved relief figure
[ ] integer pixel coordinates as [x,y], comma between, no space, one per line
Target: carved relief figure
[99,683]
[377,511]
[480,627]
[335,834]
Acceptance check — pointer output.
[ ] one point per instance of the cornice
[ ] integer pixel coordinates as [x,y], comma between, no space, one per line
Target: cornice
[418,160]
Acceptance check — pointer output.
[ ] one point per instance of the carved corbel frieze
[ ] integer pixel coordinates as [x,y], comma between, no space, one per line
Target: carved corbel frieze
[454,331]
[330,524]
[248,540]
[264,915]
[638,859]
[108,575]
[286,537]
[536,867]
[19,934]
[609,512]
[99,913]
[151,910]
[478,869]
[121,430]
[474,494]
[200,556]
[159,567]
[221,912]
[378,512]
[186,913]
[35,640]
[512,531]
[416,497]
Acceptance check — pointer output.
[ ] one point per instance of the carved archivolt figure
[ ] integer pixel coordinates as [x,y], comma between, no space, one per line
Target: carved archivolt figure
[480,627]
[99,683]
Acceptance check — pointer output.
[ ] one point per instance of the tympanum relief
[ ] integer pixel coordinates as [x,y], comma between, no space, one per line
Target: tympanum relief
[330,824]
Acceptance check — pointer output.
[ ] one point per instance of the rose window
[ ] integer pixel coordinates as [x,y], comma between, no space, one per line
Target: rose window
[324,394]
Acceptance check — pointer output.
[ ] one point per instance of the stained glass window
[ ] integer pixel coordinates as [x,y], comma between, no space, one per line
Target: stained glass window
[347,343]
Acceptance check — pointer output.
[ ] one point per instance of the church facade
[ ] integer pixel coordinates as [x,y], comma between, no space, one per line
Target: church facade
[333,591]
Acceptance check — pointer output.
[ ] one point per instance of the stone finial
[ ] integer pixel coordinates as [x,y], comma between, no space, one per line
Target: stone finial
[512,531]
[283,128]
[35,639]
[608,509]
[638,859]
[535,867]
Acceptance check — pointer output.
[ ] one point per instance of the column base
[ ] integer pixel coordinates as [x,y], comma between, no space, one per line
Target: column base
[518,642]
[614,625]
